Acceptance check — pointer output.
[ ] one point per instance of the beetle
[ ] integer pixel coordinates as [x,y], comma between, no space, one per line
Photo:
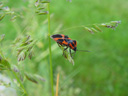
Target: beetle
[64,40]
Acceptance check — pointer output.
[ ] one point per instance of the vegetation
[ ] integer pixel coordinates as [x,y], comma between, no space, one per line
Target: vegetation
[32,60]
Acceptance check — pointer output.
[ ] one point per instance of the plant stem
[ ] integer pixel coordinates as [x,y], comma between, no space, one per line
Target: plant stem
[50,53]
[57,84]
[21,85]
[70,28]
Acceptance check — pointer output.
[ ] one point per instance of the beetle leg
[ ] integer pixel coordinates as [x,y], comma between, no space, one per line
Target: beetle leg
[60,47]
[58,44]
[66,48]
[70,52]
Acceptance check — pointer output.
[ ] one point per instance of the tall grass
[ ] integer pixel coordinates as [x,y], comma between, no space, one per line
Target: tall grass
[50,53]
[105,65]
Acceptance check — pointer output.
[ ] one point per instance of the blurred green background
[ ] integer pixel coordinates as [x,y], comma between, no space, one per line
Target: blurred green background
[101,72]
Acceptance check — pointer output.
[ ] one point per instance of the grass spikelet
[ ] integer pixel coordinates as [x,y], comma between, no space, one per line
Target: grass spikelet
[31,78]
[88,29]
[97,27]
[1,17]
[43,13]
[94,30]
[24,46]
[41,7]
[67,55]
[45,1]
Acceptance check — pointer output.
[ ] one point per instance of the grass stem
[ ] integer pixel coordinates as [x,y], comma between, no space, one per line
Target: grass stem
[57,84]
[50,53]
[19,81]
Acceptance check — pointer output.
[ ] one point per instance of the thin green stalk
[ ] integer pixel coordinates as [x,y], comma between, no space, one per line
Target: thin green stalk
[21,85]
[18,80]
[50,53]
[70,28]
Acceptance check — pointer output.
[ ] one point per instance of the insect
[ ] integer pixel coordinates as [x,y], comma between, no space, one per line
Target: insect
[64,40]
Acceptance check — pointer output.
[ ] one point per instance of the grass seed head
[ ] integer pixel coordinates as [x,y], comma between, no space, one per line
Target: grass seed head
[22,56]
[89,30]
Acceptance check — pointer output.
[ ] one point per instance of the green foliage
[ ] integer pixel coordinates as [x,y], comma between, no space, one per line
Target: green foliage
[66,82]
[2,37]
[6,11]
[4,64]
[103,71]
[67,55]
[41,7]
[24,46]
[34,78]
[96,27]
